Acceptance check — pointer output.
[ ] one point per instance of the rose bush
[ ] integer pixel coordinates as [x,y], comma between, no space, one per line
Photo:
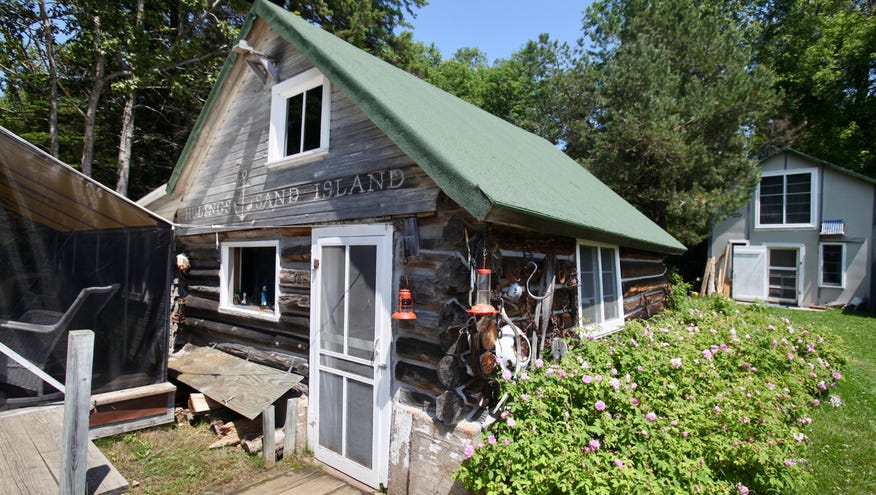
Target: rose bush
[712,397]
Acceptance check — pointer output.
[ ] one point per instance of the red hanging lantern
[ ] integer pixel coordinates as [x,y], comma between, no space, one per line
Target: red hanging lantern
[405,306]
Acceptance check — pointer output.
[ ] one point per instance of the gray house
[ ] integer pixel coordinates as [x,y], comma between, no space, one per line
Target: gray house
[804,239]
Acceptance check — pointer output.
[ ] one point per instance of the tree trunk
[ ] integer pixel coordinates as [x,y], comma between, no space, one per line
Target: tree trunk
[53,80]
[125,142]
[126,138]
[93,100]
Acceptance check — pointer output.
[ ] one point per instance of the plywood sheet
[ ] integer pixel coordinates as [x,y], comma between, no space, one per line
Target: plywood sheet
[244,387]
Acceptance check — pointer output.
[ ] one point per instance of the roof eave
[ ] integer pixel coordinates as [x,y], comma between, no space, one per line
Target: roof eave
[514,217]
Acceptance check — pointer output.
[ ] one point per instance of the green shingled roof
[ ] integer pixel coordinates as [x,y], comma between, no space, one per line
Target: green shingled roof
[491,168]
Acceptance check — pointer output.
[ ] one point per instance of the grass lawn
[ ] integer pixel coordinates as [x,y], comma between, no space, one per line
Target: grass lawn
[174,459]
[843,448]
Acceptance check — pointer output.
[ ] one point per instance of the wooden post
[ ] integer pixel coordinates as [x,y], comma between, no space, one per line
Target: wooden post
[290,428]
[77,404]
[269,445]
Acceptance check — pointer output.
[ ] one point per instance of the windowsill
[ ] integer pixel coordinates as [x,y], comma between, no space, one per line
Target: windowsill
[800,226]
[601,329]
[837,287]
[306,157]
[251,312]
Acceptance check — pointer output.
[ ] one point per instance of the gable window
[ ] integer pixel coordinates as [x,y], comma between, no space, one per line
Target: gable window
[300,110]
[786,199]
[599,292]
[249,279]
[832,261]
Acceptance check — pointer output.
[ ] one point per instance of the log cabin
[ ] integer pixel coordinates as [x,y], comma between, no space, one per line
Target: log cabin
[325,198]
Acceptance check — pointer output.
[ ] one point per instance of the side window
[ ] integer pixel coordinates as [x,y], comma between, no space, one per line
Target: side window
[249,279]
[300,111]
[786,199]
[832,262]
[599,292]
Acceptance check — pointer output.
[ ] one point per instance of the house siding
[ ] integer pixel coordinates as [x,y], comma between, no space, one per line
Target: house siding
[839,196]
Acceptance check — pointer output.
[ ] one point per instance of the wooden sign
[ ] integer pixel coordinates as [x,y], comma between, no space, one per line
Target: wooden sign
[245,203]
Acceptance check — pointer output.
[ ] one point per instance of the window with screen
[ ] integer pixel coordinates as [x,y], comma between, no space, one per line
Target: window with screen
[786,199]
[832,265]
[599,292]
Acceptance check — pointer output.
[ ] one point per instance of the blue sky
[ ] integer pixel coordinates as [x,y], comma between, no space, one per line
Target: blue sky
[498,27]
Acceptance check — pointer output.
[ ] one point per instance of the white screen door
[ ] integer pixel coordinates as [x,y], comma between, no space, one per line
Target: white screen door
[749,273]
[350,331]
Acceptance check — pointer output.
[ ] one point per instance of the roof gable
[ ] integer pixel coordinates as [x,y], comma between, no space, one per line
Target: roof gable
[820,162]
[488,166]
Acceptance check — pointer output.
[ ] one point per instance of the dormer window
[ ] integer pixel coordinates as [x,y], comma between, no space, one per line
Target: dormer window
[300,110]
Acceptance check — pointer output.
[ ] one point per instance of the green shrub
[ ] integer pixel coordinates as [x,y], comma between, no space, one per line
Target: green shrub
[714,398]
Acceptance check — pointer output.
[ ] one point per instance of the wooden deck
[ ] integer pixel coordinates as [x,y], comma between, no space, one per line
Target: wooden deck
[30,457]
[309,480]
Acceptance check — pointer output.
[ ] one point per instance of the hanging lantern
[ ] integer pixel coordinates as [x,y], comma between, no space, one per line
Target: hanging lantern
[405,306]
[482,302]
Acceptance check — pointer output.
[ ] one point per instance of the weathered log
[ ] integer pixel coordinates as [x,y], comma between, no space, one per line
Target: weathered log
[208,291]
[416,350]
[258,337]
[449,407]
[294,303]
[296,254]
[202,307]
[421,378]
[295,279]
[273,359]
[254,445]
[643,286]
[453,277]
[642,269]
[451,371]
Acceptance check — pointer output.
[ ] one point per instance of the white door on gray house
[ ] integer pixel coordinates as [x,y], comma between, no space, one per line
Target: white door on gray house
[767,273]
[350,333]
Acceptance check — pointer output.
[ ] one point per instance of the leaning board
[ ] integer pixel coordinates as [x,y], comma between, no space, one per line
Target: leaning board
[244,387]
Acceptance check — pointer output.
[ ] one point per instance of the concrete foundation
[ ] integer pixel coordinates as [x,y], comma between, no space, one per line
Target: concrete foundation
[424,453]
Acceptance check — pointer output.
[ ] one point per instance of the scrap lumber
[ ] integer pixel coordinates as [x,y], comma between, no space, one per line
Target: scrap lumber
[200,403]
[233,432]
[255,445]
[710,267]
[724,284]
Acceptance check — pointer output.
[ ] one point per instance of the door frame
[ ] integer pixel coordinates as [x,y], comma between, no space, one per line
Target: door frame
[380,235]
[801,263]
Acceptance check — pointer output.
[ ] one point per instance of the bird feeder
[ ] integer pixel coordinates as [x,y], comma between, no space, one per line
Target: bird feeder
[482,305]
[405,306]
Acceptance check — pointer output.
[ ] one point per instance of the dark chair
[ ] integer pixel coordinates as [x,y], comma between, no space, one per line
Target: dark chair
[36,333]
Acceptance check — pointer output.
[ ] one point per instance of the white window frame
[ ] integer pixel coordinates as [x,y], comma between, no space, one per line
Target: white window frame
[280,94]
[813,201]
[226,293]
[842,284]
[604,327]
